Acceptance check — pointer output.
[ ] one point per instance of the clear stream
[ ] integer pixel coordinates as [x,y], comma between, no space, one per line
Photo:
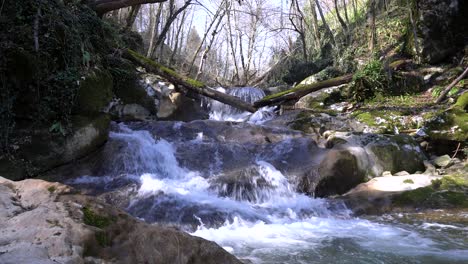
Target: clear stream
[262,223]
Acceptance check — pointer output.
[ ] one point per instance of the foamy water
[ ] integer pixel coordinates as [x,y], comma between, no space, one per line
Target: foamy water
[275,224]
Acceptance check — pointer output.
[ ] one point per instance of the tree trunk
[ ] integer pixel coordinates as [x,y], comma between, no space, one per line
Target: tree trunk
[301,90]
[325,24]
[315,27]
[345,7]
[167,25]
[355,10]
[187,83]
[103,6]
[372,37]
[340,19]
[154,30]
[132,16]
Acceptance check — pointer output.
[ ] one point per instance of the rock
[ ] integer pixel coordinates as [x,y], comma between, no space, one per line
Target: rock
[386,174]
[129,88]
[442,161]
[402,173]
[450,124]
[320,99]
[439,30]
[94,93]
[385,153]
[130,112]
[323,75]
[376,196]
[44,150]
[44,222]
[168,105]
[339,171]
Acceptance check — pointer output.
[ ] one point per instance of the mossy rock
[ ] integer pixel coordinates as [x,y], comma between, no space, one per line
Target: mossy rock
[449,192]
[398,153]
[126,85]
[451,124]
[95,93]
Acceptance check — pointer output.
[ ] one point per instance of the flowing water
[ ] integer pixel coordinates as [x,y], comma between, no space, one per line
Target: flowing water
[223,112]
[259,216]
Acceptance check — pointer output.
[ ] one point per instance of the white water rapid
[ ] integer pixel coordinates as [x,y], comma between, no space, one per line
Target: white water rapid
[263,220]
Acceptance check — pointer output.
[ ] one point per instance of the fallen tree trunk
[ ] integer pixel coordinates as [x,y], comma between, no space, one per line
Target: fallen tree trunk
[187,83]
[450,86]
[301,90]
[103,6]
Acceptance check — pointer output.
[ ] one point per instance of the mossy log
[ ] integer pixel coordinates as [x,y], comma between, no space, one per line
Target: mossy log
[301,90]
[187,83]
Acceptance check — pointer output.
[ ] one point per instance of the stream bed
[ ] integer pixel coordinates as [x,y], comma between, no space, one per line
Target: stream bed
[235,184]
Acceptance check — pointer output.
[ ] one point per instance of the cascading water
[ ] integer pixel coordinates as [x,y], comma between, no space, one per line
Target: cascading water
[224,112]
[263,220]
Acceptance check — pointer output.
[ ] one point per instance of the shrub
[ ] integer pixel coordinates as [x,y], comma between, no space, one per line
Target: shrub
[368,81]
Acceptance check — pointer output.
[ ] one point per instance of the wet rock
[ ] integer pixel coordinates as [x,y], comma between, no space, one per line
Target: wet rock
[340,171]
[376,196]
[44,222]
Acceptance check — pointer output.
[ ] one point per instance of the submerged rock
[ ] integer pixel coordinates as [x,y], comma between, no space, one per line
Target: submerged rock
[42,222]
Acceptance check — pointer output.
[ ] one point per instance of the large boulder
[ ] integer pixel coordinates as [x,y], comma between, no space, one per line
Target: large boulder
[44,222]
[94,93]
[43,149]
[354,158]
[442,27]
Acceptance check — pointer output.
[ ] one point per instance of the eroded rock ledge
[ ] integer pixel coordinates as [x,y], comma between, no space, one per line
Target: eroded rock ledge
[42,222]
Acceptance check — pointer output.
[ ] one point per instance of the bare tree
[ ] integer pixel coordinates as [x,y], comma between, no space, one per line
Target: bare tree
[324,21]
[297,19]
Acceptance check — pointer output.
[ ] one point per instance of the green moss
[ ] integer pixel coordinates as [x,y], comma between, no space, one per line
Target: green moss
[103,239]
[409,181]
[165,70]
[301,87]
[93,219]
[51,189]
[448,192]
[462,102]
[95,92]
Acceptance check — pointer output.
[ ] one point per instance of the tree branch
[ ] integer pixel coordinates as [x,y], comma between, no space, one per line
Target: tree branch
[103,6]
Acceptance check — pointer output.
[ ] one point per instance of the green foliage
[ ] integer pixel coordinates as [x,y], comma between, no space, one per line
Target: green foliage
[93,219]
[368,82]
[409,181]
[436,91]
[39,82]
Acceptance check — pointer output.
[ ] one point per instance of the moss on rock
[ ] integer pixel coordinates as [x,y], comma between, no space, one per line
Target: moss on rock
[449,192]
[94,93]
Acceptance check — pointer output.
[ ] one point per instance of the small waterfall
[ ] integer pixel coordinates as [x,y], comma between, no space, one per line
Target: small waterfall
[224,112]
[256,213]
